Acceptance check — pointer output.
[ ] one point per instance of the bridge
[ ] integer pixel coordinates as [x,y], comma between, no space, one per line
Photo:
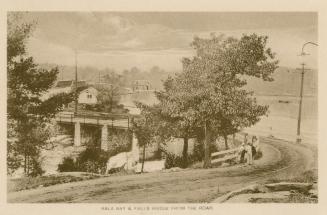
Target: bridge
[103,120]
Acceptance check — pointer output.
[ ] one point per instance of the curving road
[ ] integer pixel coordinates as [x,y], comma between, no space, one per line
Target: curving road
[281,160]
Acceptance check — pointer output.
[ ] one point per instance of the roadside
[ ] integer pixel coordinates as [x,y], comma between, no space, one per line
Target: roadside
[280,159]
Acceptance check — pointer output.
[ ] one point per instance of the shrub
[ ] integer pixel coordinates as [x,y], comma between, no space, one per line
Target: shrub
[36,167]
[198,153]
[92,160]
[67,165]
[174,161]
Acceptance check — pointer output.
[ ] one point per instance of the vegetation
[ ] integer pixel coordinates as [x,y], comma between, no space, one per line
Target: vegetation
[91,160]
[144,130]
[209,94]
[27,183]
[27,113]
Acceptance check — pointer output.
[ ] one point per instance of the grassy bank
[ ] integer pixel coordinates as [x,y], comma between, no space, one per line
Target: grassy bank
[27,183]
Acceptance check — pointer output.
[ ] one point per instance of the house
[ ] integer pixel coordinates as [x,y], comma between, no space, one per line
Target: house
[88,96]
[65,86]
[141,85]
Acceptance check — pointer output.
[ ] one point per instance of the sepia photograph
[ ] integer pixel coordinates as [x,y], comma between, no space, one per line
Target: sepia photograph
[162,107]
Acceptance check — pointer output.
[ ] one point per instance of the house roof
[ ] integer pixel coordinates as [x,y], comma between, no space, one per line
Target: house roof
[70,83]
[62,84]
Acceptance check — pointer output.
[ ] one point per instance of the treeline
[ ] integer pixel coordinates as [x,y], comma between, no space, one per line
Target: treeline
[125,78]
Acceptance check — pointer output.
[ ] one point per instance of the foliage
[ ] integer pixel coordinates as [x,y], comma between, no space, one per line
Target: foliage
[209,92]
[108,100]
[67,165]
[26,112]
[92,160]
[173,160]
[119,142]
[144,128]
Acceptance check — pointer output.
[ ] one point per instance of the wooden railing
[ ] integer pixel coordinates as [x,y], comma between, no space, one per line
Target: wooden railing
[224,155]
[115,120]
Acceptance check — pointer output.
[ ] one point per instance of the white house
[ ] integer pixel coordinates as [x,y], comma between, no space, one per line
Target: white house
[88,96]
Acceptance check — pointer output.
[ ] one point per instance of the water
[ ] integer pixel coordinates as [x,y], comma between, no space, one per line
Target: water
[282,118]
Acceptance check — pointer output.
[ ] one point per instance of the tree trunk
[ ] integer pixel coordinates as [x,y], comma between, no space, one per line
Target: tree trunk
[226,142]
[25,163]
[28,166]
[143,158]
[207,142]
[185,149]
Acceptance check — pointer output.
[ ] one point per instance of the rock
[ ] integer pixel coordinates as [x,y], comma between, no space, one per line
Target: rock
[250,189]
[225,164]
[313,193]
[124,160]
[287,186]
[253,197]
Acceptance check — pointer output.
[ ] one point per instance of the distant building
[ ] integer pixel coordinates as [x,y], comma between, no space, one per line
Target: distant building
[88,96]
[70,83]
[141,85]
[65,86]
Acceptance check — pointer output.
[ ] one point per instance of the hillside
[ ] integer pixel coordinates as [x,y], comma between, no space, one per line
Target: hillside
[286,80]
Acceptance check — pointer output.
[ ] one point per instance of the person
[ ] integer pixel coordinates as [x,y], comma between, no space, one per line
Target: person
[242,150]
[254,149]
[248,149]
[256,145]
[242,153]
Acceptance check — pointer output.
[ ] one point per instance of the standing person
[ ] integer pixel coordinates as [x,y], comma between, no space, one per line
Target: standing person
[257,147]
[256,143]
[254,149]
[248,149]
[243,149]
[242,153]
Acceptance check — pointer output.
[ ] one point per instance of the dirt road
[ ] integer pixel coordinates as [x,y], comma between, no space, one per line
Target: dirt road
[281,159]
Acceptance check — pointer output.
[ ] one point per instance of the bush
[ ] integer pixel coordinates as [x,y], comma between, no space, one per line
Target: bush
[67,165]
[198,153]
[92,160]
[36,167]
[174,161]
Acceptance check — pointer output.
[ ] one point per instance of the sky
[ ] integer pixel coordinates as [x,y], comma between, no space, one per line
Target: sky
[121,40]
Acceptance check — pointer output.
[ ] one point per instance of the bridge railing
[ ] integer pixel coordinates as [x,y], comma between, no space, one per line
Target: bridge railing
[222,156]
[97,117]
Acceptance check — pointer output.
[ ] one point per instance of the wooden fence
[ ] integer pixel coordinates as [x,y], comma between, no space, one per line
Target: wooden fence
[224,155]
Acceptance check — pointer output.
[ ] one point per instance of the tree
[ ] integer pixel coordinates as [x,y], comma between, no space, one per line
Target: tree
[172,120]
[143,128]
[108,100]
[212,84]
[27,114]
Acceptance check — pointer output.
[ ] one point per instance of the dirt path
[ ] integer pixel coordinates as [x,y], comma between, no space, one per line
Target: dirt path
[281,159]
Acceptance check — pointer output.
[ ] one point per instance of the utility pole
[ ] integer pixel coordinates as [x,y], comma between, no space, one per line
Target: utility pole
[76,96]
[298,138]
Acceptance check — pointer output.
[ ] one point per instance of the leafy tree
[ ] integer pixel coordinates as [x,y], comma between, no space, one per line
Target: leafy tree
[172,120]
[144,129]
[27,113]
[211,85]
[108,100]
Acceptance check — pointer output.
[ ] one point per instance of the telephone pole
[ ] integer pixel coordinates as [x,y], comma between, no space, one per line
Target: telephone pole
[298,138]
[76,96]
